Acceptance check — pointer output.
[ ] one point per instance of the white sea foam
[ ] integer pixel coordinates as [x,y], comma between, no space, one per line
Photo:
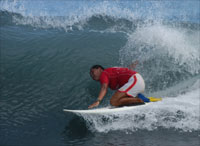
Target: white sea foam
[180,44]
[42,13]
[78,17]
[179,113]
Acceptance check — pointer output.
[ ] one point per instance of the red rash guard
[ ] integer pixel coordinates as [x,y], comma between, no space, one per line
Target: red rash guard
[116,77]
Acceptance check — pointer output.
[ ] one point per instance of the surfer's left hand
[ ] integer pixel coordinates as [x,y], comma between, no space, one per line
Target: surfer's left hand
[94,104]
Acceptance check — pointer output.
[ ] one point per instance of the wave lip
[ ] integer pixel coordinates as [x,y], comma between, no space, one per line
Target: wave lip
[78,17]
[167,55]
[68,14]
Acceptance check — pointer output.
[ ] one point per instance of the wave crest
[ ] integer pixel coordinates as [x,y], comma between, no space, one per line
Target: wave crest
[76,14]
[166,54]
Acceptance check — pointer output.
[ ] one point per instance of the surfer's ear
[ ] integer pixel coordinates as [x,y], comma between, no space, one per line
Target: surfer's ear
[91,74]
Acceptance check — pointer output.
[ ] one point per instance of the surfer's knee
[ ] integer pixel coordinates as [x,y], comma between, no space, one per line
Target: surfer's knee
[114,102]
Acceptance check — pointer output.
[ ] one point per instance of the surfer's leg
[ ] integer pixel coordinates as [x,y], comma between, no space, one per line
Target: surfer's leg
[122,99]
[127,94]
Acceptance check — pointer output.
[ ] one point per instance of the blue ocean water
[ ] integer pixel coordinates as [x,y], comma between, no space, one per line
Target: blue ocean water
[48,47]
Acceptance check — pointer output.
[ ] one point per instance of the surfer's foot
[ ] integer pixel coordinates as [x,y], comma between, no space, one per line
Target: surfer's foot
[141,96]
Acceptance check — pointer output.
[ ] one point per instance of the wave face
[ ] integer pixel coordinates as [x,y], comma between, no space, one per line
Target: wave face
[48,48]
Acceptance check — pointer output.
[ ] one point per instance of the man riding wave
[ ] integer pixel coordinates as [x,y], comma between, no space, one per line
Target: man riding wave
[126,81]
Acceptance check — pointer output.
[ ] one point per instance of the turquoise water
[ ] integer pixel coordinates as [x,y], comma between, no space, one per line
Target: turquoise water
[47,49]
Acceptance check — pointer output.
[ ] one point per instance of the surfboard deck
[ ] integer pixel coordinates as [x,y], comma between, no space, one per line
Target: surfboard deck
[107,110]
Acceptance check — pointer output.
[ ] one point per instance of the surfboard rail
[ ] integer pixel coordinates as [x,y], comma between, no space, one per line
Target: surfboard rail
[111,109]
[107,109]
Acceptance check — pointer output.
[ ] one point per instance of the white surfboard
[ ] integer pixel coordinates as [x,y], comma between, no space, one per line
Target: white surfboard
[107,110]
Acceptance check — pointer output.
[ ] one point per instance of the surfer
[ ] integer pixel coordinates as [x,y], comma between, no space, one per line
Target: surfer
[126,81]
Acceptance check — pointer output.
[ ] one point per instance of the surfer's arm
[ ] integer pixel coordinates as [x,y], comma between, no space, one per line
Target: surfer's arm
[102,93]
[133,65]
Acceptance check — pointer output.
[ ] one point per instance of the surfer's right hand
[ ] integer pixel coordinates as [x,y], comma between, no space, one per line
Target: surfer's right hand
[94,104]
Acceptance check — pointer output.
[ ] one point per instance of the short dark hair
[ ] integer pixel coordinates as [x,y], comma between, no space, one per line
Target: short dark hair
[96,67]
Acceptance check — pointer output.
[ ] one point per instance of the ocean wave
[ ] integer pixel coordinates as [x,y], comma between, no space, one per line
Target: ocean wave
[168,53]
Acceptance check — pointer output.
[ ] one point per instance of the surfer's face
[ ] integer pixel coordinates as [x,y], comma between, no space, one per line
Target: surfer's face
[95,73]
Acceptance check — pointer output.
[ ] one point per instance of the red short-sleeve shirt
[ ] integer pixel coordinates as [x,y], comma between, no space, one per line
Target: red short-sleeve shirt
[116,77]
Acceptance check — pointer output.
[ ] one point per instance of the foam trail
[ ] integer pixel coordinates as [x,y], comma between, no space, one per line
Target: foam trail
[180,113]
